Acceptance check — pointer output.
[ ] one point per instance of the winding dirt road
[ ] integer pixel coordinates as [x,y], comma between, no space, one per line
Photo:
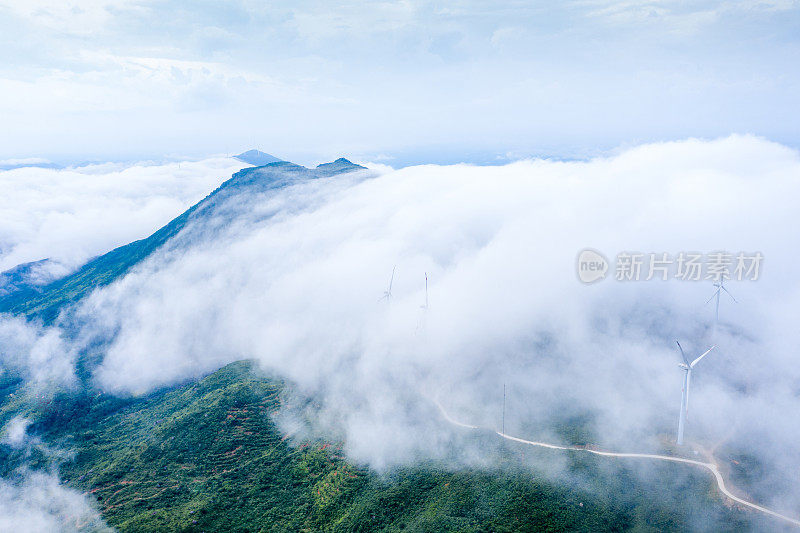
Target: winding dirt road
[708,466]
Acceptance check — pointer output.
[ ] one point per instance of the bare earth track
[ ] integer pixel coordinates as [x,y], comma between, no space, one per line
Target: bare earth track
[711,467]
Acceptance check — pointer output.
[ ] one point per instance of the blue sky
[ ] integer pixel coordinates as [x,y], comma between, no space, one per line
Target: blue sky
[397,82]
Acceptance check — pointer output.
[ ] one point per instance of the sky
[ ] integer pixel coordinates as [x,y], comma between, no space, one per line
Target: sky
[398,82]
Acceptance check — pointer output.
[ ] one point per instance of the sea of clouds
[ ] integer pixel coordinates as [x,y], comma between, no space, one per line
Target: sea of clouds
[70,215]
[294,278]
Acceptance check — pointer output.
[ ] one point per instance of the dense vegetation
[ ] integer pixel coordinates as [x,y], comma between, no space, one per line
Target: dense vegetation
[207,456]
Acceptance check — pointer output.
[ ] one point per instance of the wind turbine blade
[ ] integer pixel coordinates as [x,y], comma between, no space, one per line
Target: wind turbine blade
[704,354]
[712,296]
[685,360]
[391,280]
[729,294]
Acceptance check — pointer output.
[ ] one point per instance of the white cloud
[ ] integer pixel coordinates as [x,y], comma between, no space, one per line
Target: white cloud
[321,22]
[37,502]
[83,17]
[16,431]
[38,353]
[293,279]
[350,78]
[73,214]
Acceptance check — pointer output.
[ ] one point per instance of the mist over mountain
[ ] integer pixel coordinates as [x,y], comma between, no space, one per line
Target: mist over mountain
[71,215]
[29,276]
[284,265]
[399,266]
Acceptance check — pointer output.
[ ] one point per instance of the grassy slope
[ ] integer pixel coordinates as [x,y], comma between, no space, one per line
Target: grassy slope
[206,456]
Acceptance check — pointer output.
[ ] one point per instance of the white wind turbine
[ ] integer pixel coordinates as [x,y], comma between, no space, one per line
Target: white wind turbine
[421,322]
[426,293]
[687,367]
[387,295]
[720,286]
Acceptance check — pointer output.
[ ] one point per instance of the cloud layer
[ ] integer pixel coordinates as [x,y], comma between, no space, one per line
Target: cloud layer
[74,214]
[299,292]
[293,279]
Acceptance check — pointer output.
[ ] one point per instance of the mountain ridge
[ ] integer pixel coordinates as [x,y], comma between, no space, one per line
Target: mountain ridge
[257,158]
[47,301]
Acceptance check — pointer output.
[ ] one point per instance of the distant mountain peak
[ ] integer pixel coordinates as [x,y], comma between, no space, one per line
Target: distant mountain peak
[339,166]
[257,158]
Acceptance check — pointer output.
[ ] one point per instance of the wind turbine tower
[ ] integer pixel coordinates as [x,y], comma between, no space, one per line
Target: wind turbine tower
[720,286]
[687,367]
[426,292]
[387,295]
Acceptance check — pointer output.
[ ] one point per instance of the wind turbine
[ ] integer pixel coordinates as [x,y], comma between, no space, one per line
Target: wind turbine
[687,367]
[426,293]
[720,285]
[387,295]
[421,321]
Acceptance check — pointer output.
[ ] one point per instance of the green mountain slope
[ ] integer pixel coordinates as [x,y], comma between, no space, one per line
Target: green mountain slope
[47,302]
[207,456]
